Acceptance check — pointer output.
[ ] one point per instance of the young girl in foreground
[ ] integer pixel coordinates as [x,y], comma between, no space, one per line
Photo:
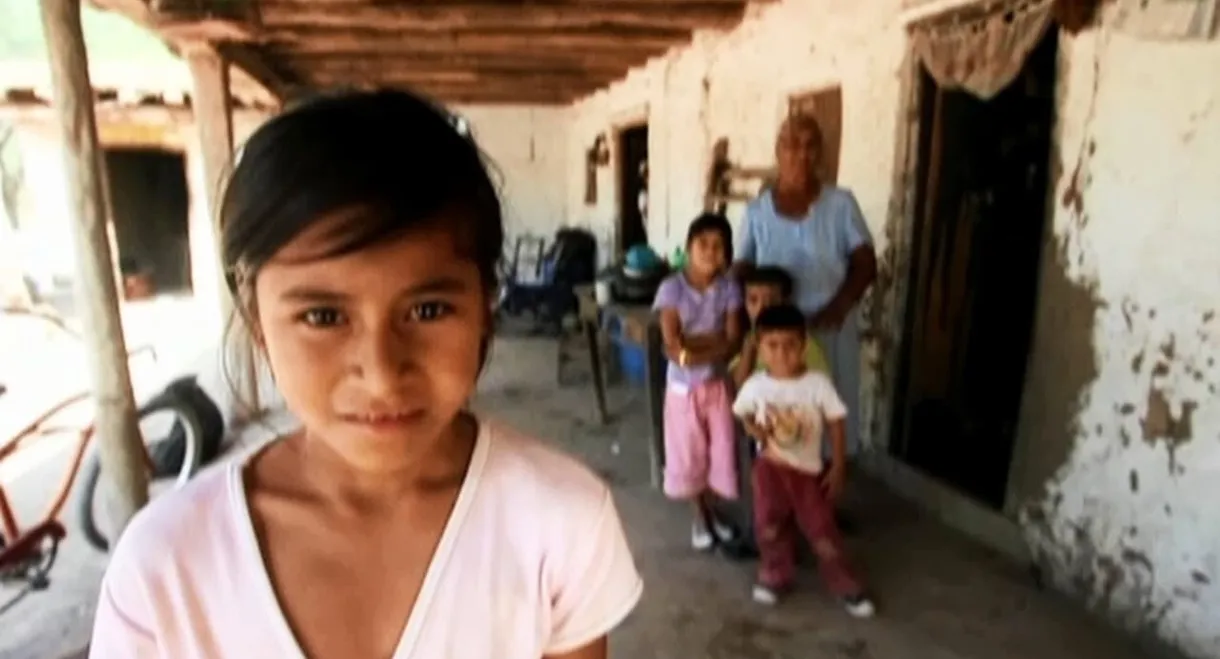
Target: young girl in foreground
[361,234]
[700,309]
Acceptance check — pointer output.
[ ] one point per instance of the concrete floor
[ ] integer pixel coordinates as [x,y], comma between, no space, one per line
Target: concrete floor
[940,597]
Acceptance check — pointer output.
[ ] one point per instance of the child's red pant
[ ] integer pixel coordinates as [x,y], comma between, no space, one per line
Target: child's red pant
[783,494]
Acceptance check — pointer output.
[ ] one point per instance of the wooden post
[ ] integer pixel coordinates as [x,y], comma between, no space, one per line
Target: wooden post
[654,383]
[212,106]
[118,434]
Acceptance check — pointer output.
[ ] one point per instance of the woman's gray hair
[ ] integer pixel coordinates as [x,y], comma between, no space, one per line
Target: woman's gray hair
[808,122]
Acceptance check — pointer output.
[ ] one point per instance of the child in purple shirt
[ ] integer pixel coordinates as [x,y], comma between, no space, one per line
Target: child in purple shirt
[699,309]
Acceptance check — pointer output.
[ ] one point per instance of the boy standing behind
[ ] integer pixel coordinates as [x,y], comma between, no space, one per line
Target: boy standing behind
[763,287]
[788,408]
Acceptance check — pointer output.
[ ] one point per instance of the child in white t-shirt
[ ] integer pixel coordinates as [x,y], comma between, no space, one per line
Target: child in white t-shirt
[788,409]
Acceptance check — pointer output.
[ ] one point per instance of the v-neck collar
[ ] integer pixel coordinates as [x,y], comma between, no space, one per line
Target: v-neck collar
[796,219]
[699,294]
[414,627]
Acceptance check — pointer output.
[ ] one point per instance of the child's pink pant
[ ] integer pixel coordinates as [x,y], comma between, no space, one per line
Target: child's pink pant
[783,495]
[700,441]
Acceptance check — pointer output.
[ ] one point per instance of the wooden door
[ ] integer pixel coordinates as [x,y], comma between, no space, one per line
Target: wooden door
[825,105]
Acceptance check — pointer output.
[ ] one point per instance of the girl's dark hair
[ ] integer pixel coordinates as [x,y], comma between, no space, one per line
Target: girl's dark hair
[769,275]
[391,159]
[781,318]
[712,222]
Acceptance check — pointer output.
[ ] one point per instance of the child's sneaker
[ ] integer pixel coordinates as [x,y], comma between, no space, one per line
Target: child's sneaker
[859,606]
[845,522]
[701,539]
[765,595]
[741,549]
[724,533]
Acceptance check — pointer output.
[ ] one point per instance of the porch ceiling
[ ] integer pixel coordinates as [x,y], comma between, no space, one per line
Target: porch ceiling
[458,51]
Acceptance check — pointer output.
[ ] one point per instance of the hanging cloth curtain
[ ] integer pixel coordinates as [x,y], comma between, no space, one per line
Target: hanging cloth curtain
[981,49]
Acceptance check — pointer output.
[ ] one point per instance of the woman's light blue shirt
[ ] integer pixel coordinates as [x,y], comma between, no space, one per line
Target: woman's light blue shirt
[813,249]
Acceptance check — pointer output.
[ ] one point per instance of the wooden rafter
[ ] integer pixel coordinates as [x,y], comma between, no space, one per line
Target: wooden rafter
[544,51]
[483,14]
[360,65]
[525,40]
[542,78]
[484,95]
[253,67]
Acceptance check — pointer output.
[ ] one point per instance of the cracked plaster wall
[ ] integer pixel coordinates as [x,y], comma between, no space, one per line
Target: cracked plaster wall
[1124,362]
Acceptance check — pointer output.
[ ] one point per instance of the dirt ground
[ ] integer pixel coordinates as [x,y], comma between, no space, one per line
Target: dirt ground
[940,597]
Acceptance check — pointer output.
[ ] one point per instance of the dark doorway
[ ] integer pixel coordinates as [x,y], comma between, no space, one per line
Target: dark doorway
[149,197]
[633,191]
[978,237]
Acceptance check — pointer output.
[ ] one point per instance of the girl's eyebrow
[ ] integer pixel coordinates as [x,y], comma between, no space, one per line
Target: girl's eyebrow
[441,284]
[310,294]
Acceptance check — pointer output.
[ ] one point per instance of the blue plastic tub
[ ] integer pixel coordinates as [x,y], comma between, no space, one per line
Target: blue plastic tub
[631,360]
[632,357]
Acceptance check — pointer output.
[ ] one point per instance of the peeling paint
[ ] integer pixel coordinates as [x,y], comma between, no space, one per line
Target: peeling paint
[1106,519]
[1160,424]
[1060,377]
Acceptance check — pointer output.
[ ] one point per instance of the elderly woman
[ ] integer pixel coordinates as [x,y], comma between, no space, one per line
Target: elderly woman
[816,232]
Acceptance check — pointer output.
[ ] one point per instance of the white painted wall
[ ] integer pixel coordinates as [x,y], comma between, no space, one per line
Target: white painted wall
[1142,119]
[50,215]
[1141,123]
[525,146]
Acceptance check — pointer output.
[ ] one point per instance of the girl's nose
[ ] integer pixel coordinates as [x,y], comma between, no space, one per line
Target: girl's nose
[383,358]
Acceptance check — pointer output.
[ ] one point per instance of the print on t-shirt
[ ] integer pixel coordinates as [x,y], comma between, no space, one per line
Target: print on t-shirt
[796,409]
[796,433]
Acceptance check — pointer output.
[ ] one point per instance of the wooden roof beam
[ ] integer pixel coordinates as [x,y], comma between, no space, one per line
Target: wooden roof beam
[264,75]
[303,58]
[539,14]
[363,64]
[534,41]
[492,93]
[490,77]
[265,70]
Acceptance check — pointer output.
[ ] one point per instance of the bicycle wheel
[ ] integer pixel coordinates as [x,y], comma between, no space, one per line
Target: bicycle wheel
[188,444]
[169,453]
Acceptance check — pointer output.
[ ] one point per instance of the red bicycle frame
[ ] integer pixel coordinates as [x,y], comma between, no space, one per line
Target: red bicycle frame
[22,546]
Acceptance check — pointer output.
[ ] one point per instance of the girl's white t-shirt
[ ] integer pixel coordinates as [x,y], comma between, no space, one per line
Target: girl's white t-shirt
[532,562]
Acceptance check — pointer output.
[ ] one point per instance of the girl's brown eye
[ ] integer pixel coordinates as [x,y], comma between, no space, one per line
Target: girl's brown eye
[321,317]
[429,311]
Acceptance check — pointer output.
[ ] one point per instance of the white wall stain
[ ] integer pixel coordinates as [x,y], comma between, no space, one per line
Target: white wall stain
[1131,515]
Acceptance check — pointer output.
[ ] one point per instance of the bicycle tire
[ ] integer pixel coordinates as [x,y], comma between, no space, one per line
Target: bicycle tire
[168,454]
[167,401]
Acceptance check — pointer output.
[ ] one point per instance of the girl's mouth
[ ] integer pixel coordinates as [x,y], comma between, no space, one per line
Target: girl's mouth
[383,419]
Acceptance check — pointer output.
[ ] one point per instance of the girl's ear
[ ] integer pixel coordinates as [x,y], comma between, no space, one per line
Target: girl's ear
[489,325]
[247,315]
[256,335]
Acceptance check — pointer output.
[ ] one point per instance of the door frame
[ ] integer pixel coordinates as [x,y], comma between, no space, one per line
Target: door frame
[999,530]
[616,161]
